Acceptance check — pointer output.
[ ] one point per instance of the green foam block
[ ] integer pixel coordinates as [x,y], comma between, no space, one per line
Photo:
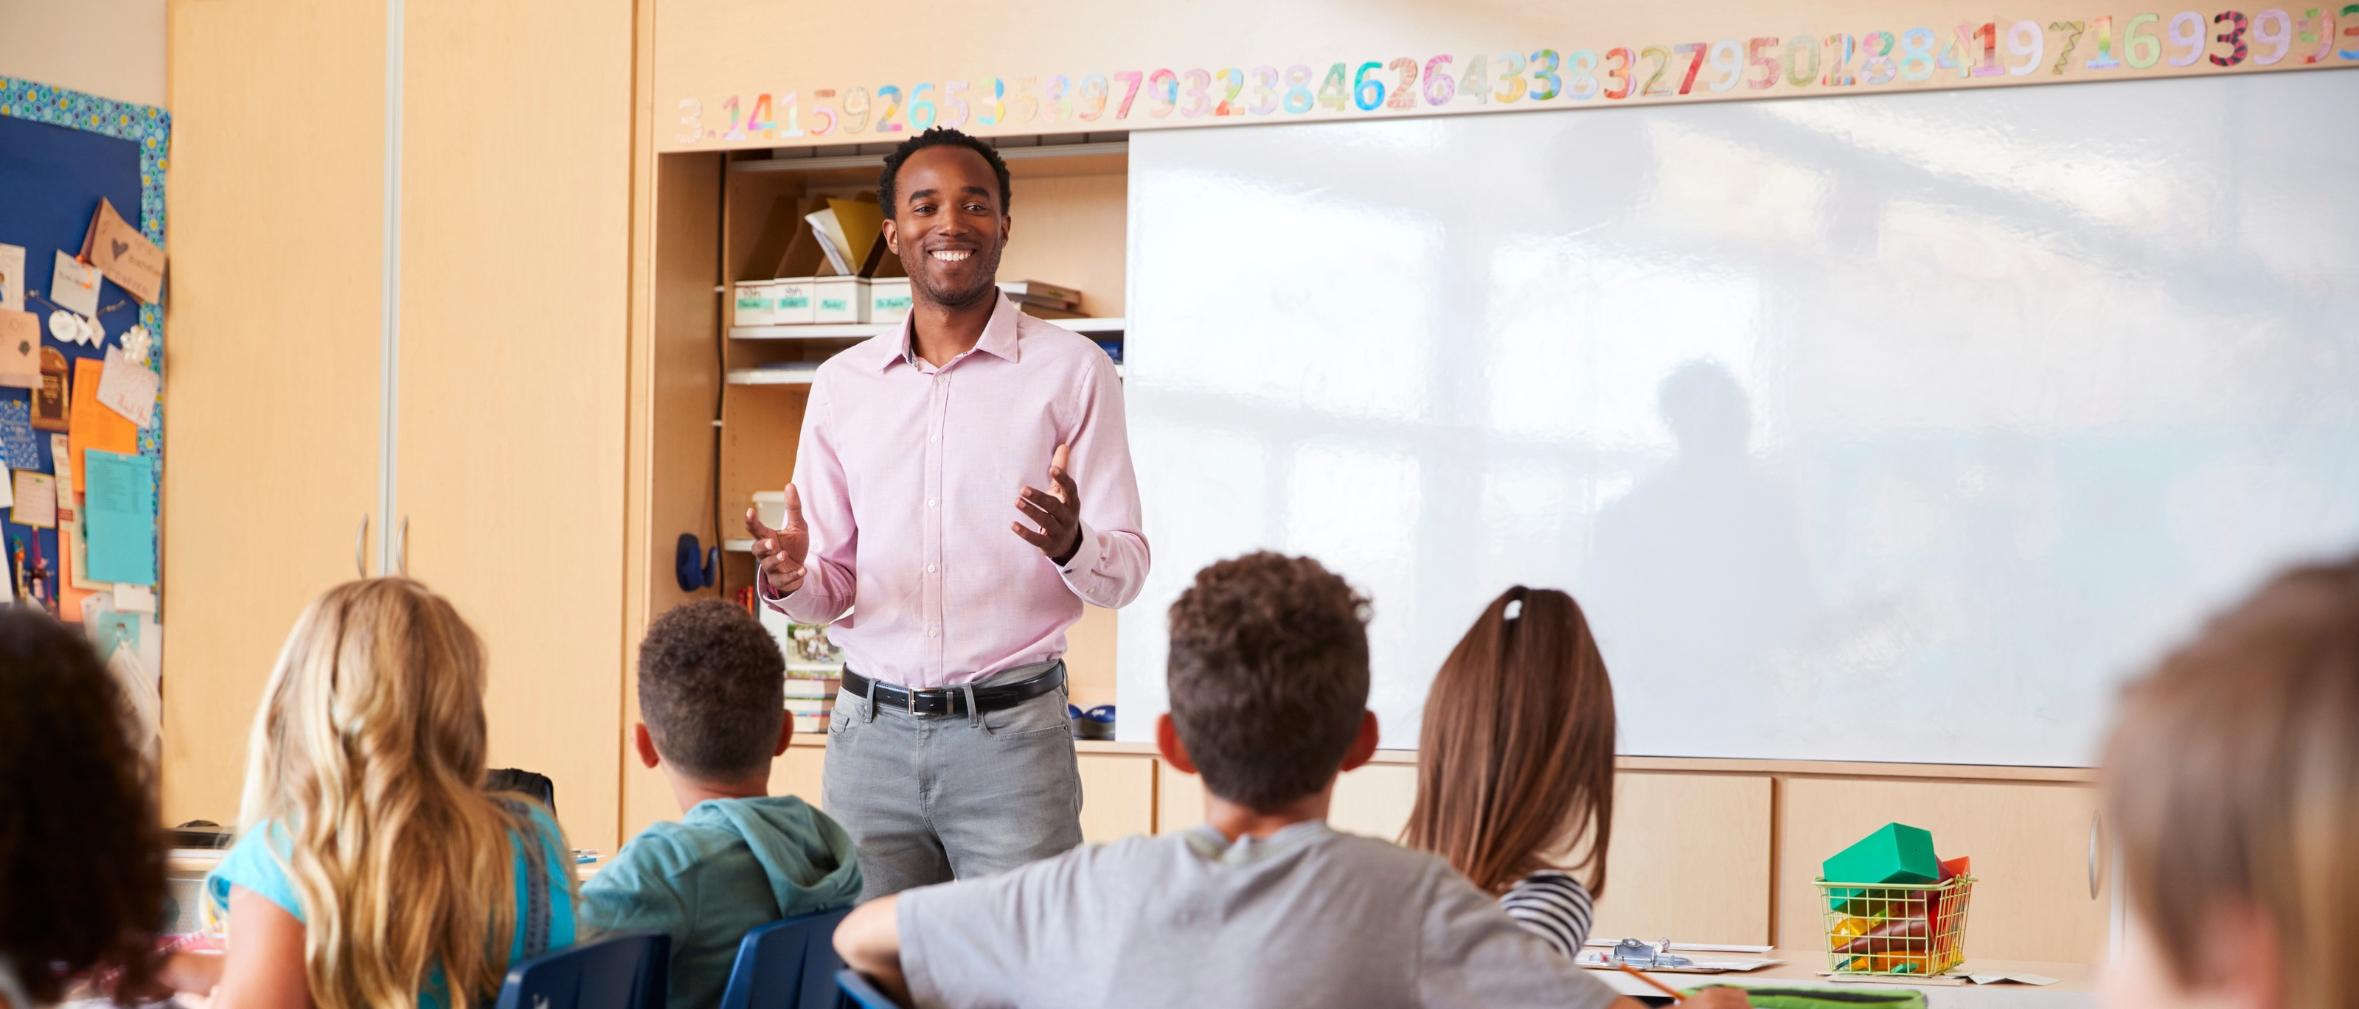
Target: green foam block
[1894,853]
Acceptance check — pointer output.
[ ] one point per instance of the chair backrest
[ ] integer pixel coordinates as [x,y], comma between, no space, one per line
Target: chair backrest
[630,970]
[862,992]
[787,964]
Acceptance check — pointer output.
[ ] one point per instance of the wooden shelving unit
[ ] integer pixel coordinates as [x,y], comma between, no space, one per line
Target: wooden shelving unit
[1069,207]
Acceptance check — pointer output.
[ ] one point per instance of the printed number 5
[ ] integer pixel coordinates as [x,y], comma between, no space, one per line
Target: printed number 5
[691,121]
[1767,64]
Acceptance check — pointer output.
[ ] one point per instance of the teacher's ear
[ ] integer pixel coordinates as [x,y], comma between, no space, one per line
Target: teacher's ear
[892,237]
[1167,742]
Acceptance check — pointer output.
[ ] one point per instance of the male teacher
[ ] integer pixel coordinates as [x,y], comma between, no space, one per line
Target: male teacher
[962,486]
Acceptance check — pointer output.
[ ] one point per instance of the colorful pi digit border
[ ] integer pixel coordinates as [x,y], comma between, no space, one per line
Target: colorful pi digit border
[2028,50]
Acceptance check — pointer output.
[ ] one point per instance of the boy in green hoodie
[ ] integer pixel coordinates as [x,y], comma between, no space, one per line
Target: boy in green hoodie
[713,714]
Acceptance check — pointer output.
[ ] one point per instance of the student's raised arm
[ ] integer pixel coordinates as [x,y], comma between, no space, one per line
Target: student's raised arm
[869,940]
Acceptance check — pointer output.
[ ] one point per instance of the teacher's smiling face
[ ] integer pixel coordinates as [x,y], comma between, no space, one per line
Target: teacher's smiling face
[949,225]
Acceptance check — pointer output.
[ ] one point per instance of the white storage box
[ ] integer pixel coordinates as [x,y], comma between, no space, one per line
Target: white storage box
[753,303]
[888,299]
[839,300]
[791,302]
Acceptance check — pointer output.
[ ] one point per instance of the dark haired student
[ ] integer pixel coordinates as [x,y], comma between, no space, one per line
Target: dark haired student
[962,487]
[81,852]
[712,710]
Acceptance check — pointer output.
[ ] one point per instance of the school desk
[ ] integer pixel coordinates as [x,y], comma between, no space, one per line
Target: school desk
[2075,987]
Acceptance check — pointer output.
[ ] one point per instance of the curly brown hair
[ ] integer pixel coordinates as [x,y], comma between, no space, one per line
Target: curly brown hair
[1269,676]
[712,689]
[81,848]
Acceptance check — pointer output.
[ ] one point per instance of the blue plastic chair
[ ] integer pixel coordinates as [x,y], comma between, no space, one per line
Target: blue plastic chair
[788,964]
[861,991]
[626,971]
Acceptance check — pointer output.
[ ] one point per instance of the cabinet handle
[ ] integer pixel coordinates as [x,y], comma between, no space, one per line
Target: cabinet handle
[2096,850]
[401,548]
[360,546]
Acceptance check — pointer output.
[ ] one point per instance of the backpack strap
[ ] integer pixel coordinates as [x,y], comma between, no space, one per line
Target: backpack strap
[535,921]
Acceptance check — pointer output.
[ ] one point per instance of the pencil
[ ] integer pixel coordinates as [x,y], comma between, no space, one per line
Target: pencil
[1657,985]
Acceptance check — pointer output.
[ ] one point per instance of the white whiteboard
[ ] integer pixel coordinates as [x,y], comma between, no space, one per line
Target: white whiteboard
[1987,395]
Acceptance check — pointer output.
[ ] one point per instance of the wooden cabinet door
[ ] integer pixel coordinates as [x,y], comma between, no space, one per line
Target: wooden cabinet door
[515,249]
[272,356]
[1689,860]
[2030,842]
[1117,796]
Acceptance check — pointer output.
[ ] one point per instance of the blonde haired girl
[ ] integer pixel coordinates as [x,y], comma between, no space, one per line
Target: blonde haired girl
[2232,781]
[370,846]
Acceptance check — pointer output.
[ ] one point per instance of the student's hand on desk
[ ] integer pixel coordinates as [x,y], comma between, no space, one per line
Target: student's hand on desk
[1724,997]
[779,553]
[1056,512]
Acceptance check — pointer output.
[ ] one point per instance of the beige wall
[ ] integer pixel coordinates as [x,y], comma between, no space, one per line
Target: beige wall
[110,48]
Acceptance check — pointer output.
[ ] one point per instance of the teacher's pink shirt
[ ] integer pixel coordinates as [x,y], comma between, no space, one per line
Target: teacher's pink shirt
[909,475]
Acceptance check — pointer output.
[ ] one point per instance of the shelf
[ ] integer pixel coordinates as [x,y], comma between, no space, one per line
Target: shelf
[808,331]
[773,376]
[864,330]
[1044,160]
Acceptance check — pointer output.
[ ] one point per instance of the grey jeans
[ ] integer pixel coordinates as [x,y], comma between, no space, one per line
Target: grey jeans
[929,799]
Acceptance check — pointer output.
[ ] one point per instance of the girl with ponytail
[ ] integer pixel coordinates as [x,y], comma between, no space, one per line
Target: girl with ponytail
[1515,763]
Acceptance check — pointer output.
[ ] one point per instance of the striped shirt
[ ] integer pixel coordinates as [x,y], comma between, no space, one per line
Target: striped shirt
[1553,905]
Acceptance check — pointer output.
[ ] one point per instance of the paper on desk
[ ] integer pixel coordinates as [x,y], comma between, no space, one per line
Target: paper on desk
[1700,947]
[1700,965]
[2017,978]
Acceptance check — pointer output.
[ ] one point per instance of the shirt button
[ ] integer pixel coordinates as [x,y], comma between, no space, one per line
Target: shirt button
[930,569]
[933,632]
[933,438]
[929,502]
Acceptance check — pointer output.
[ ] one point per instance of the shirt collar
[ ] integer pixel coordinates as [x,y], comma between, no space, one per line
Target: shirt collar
[1209,845]
[999,338]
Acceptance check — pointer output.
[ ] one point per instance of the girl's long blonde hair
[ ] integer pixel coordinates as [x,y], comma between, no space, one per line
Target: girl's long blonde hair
[368,752]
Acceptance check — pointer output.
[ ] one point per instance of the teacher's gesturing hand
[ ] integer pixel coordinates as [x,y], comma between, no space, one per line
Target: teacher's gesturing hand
[1057,512]
[779,553]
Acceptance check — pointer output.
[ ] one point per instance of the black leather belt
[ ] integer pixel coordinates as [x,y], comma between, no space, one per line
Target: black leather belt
[952,701]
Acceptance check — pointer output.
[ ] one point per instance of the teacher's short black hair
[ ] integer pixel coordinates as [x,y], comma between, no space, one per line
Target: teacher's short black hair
[81,843]
[1268,670]
[939,136]
[712,689]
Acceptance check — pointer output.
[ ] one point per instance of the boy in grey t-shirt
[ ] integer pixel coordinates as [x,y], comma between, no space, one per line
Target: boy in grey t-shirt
[1263,905]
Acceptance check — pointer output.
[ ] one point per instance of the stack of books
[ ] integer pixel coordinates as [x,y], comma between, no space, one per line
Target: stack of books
[1043,301]
[810,700]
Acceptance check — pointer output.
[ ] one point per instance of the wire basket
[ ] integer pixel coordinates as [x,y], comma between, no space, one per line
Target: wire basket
[1895,928]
